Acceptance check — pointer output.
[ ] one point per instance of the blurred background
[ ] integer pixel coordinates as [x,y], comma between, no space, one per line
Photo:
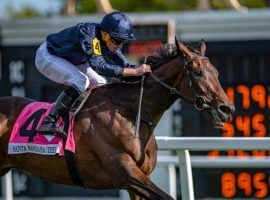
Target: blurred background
[237,35]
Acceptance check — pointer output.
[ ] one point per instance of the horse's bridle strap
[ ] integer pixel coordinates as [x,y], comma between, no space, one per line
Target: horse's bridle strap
[181,95]
[172,89]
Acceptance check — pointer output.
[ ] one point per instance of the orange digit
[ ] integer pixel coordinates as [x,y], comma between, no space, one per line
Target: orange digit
[231,153]
[258,182]
[243,124]
[268,101]
[258,125]
[259,153]
[260,131]
[244,183]
[242,153]
[230,94]
[228,130]
[228,187]
[213,154]
[244,90]
[258,95]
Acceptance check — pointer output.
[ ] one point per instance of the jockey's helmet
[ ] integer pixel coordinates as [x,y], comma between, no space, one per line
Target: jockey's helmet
[117,25]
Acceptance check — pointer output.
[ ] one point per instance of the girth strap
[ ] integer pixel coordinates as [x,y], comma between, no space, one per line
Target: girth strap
[72,168]
[70,160]
[70,156]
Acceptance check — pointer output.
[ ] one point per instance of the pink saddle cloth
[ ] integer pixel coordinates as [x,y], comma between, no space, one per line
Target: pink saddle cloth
[26,139]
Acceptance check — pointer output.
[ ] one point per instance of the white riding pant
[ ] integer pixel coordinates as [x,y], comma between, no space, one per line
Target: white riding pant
[62,71]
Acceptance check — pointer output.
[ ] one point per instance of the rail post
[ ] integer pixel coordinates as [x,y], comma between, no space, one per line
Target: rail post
[7,191]
[186,175]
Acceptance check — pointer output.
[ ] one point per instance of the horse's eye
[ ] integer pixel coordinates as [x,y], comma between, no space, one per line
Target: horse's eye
[197,72]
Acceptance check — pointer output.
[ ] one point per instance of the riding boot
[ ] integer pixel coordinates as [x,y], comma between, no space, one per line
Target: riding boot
[61,108]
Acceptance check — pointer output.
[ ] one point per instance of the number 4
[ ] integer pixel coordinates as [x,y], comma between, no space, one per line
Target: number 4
[33,119]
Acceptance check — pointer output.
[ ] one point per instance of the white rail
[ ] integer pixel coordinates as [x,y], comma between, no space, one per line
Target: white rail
[218,162]
[182,145]
[7,191]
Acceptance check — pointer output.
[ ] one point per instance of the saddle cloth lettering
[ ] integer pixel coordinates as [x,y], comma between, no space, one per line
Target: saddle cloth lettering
[25,138]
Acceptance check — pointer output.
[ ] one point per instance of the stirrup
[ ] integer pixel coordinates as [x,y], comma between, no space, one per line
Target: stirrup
[50,127]
[56,131]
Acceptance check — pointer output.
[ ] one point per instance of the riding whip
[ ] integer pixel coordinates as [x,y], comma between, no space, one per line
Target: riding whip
[138,117]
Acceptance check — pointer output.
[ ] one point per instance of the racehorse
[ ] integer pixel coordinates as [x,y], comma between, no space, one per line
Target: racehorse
[108,156]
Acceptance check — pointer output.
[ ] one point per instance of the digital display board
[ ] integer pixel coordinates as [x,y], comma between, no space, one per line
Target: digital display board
[251,120]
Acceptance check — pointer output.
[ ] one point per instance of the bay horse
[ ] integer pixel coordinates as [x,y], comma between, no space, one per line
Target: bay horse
[108,156]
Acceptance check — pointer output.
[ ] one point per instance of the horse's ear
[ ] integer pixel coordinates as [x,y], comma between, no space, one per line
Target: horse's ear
[177,46]
[182,49]
[202,47]
[185,50]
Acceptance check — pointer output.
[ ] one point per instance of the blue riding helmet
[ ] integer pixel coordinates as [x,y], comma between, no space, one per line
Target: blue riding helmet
[118,25]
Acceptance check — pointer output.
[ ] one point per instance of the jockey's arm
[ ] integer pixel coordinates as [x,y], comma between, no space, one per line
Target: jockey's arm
[99,64]
[142,69]
[129,69]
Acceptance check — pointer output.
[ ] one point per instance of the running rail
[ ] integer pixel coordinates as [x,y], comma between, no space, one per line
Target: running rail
[182,146]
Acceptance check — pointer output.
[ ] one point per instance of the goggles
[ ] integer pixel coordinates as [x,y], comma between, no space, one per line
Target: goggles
[117,41]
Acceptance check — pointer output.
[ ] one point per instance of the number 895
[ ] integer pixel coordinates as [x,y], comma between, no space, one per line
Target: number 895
[244,181]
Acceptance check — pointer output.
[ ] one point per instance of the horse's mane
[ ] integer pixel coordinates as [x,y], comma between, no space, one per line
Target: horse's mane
[166,53]
[163,55]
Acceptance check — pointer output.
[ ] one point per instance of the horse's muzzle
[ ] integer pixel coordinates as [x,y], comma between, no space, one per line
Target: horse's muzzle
[225,111]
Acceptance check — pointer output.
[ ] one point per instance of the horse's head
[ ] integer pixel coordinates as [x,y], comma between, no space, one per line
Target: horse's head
[201,86]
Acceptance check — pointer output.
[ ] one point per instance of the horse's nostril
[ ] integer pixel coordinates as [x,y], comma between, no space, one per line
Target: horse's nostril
[226,109]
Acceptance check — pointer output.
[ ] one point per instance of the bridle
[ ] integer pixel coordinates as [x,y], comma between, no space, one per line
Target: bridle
[198,101]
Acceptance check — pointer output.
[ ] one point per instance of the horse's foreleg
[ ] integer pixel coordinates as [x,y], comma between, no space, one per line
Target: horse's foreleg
[145,188]
[125,174]
[135,196]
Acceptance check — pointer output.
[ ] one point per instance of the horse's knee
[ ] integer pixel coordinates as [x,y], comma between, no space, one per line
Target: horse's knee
[134,196]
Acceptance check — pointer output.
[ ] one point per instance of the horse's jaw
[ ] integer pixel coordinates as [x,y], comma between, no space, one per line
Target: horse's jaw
[217,119]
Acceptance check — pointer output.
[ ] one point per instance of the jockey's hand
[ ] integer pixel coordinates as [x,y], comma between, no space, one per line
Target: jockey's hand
[142,69]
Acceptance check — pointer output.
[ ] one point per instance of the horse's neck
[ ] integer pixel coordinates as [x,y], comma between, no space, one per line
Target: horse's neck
[156,98]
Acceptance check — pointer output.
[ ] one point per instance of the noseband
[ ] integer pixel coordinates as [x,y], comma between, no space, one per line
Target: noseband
[198,101]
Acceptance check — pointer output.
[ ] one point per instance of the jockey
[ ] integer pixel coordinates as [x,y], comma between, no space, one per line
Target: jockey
[82,57]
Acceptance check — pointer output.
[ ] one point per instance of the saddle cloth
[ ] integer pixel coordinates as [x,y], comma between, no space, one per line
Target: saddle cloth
[25,138]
